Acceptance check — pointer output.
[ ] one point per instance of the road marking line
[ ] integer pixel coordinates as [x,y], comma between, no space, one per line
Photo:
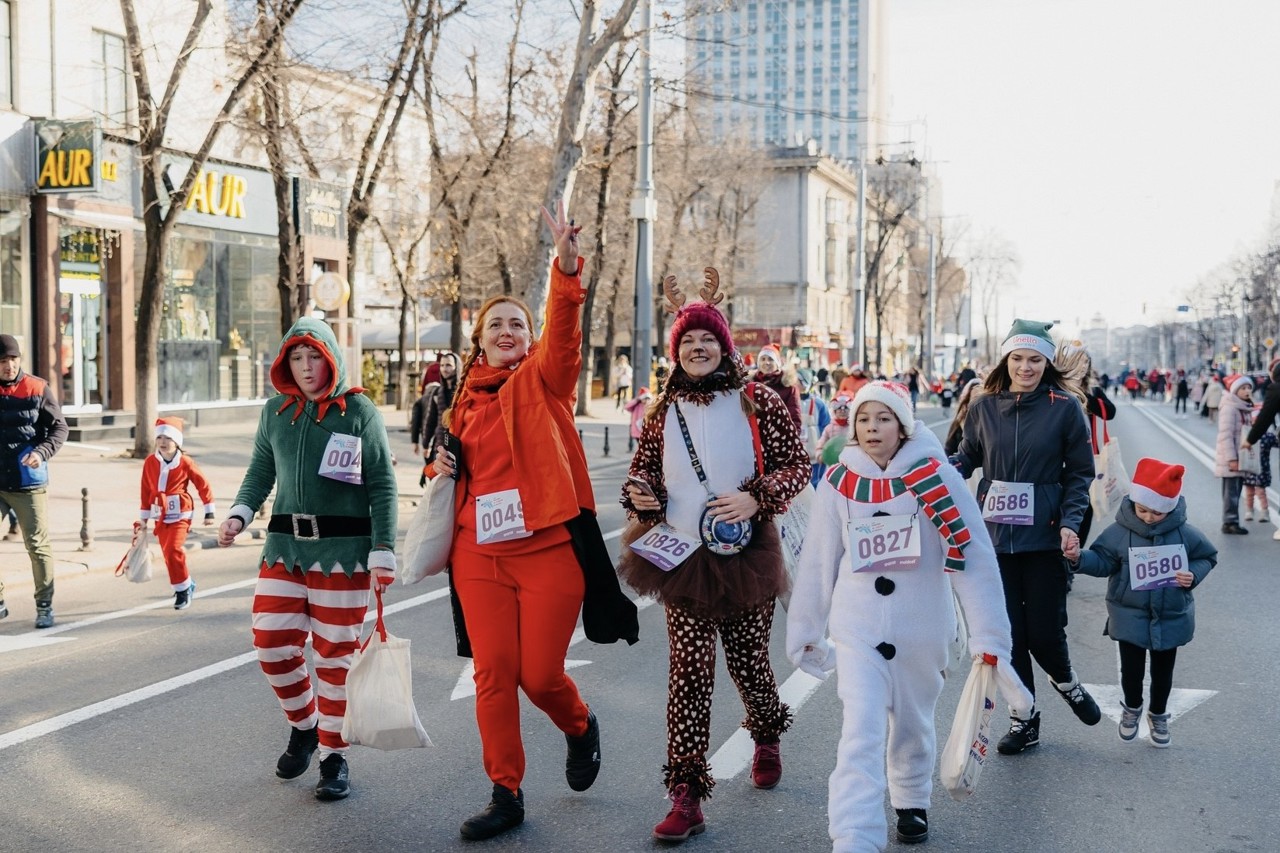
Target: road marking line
[106,706]
[735,756]
[142,608]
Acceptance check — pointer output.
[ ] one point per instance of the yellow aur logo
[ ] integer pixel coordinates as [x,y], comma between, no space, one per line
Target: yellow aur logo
[218,195]
[66,169]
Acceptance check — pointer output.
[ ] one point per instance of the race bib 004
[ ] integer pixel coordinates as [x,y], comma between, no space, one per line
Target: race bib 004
[885,543]
[341,460]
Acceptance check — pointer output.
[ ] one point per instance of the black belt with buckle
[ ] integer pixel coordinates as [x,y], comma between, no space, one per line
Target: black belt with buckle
[301,525]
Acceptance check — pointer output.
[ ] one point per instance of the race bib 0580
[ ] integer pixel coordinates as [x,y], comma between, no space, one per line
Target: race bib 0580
[1153,567]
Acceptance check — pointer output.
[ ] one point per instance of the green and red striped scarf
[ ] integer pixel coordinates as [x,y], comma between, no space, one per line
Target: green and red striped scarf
[924,482]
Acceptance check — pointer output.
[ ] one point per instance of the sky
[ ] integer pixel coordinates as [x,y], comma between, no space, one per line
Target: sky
[1125,148]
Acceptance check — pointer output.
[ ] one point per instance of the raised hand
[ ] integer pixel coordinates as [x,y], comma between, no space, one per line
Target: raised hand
[565,235]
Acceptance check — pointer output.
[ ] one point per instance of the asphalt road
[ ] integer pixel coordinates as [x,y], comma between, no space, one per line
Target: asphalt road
[133,727]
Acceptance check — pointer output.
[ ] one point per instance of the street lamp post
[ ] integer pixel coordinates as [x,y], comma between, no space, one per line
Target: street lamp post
[860,263]
[644,210]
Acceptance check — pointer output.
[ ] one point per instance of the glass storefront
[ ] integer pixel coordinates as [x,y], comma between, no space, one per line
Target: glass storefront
[81,317]
[220,323]
[13,309]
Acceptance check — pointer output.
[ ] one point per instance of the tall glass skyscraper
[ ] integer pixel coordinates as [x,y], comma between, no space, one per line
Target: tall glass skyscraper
[778,72]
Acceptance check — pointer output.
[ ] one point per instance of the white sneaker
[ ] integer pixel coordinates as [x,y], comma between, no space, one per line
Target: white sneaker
[1248,515]
[1276,535]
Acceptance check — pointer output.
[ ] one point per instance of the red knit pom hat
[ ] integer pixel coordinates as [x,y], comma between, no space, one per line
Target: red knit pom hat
[892,394]
[170,428]
[1156,485]
[704,317]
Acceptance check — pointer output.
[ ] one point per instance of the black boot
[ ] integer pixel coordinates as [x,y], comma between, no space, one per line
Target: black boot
[913,825]
[505,811]
[297,756]
[583,761]
[44,614]
[333,784]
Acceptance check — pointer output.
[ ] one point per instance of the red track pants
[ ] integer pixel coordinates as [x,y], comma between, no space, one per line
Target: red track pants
[287,608]
[173,539]
[520,611]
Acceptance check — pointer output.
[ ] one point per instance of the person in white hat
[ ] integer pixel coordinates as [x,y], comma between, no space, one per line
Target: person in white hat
[166,477]
[1152,559]
[883,591]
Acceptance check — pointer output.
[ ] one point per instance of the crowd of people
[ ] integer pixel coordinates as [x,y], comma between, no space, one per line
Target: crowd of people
[726,445]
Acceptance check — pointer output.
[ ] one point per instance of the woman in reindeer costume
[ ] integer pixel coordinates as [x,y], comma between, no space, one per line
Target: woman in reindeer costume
[717,459]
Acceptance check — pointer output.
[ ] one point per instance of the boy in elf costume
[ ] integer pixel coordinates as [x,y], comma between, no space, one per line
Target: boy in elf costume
[323,447]
[166,476]
[893,531]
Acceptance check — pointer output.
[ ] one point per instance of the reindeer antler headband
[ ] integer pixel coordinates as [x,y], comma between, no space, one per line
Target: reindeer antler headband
[675,298]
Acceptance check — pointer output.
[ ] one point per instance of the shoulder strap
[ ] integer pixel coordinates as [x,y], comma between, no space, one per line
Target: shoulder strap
[755,430]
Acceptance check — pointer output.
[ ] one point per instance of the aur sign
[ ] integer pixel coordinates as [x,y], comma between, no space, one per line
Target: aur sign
[67,154]
[225,196]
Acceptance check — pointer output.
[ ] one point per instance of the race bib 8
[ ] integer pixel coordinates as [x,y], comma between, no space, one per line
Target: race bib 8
[885,543]
[1010,503]
[1153,567]
[500,517]
[665,546]
[341,460]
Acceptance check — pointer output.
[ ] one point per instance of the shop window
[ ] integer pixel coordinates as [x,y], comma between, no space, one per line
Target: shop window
[13,316]
[6,53]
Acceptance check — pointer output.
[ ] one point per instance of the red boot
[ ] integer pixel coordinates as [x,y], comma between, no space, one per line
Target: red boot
[766,765]
[685,817]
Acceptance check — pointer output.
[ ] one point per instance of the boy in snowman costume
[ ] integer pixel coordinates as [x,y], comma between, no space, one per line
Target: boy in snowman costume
[894,529]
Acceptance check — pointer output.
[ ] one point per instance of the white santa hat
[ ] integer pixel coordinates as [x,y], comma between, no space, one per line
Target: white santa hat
[894,395]
[170,428]
[1156,485]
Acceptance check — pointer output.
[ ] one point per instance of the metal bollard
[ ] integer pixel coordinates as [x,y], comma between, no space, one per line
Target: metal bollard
[86,535]
[631,443]
[580,441]
[606,441]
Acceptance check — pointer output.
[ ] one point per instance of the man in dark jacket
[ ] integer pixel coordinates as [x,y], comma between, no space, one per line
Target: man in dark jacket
[31,431]
[1267,417]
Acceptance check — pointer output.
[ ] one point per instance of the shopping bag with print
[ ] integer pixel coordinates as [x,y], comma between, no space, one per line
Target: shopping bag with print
[1249,460]
[380,709]
[792,526]
[136,563]
[960,639]
[969,744]
[1110,480]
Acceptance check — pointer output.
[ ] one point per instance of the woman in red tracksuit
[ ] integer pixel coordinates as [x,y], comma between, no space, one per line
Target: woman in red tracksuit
[166,476]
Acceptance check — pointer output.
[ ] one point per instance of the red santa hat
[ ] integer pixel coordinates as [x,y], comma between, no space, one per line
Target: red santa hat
[894,395]
[770,350]
[1238,381]
[1156,485]
[170,428]
[644,393]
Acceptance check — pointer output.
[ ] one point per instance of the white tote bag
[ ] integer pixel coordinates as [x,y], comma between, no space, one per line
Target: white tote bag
[380,709]
[969,743]
[136,563]
[430,536]
[1110,480]
[960,640]
[1249,461]
[792,526]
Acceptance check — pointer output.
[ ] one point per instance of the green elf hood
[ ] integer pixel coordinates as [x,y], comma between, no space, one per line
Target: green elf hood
[318,334]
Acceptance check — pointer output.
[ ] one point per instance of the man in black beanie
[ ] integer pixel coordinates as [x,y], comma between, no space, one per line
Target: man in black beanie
[31,431]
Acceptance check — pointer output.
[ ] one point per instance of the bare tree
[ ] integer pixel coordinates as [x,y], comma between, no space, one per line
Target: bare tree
[591,50]
[894,188]
[993,266]
[160,215]
[403,244]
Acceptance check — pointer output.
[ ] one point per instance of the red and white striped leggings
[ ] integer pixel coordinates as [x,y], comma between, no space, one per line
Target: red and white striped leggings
[287,608]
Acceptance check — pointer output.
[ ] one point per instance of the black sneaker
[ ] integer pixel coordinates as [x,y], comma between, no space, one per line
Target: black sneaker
[1023,734]
[1080,701]
[505,811]
[333,784]
[182,598]
[583,760]
[913,825]
[4,611]
[297,756]
[1235,529]
[44,614]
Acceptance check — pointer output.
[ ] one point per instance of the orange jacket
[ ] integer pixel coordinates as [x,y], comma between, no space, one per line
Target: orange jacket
[537,410]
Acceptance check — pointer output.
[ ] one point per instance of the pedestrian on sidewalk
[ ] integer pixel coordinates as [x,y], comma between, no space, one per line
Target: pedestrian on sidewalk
[892,619]
[1182,393]
[1150,536]
[635,408]
[31,432]
[1234,419]
[621,381]
[323,447]
[718,459]
[166,476]
[1029,436]
[437,401]
[527,552]
[1213,394]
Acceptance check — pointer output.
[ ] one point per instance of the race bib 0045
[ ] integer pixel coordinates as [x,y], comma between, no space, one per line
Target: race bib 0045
[500,517]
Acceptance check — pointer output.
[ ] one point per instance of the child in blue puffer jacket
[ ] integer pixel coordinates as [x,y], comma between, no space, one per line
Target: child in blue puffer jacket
[1153,560]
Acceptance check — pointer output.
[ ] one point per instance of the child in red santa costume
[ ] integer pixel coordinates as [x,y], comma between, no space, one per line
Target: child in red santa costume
[166,476]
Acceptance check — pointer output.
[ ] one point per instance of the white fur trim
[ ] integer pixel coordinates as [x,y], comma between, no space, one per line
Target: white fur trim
[382,560]
[1151,499]
[1031,342]
[210,509]
[169,432]
[243,513]
[1240,382]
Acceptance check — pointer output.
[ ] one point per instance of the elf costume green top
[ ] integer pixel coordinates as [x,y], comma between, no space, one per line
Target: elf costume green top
[330,464]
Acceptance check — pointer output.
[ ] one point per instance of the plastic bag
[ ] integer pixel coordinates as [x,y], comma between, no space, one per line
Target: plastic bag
[792,526]
[960,640]
[380,709]
[135,565]
[430,536]
[1249,460]
[969,743]
[1110,479]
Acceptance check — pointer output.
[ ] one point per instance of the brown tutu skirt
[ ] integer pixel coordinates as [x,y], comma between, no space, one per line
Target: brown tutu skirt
[707,584]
